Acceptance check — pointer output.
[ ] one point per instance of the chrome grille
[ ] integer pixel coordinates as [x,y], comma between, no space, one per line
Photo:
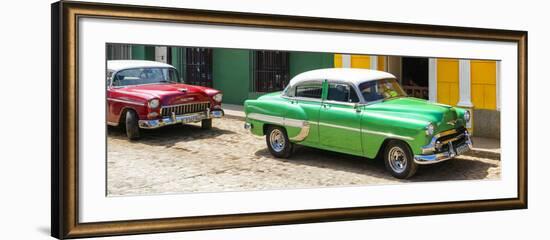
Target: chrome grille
[457,138]
[184,108]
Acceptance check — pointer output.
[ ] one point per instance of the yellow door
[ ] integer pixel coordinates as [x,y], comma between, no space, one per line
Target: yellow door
[447,81]
[338,61]
[381,63]
[483,84]
[360,61]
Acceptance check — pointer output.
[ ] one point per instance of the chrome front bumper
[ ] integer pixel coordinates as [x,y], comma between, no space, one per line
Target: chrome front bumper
[429,155]
[180,119]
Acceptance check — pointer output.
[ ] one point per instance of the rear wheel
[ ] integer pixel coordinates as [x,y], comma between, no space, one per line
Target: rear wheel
[398,159]
[278,143]
[206,124]
[131,123]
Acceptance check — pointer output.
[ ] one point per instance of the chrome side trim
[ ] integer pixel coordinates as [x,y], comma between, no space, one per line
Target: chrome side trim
[126,101]
[365,131]
[304,132]
[341,103]
[338,126]
[295,122]
[266,118]
[287,122]
[303,124]
[317,100]
[278,120]
[390,135]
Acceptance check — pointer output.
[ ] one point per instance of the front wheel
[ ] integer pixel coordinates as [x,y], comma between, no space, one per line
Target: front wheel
[398,159]
[278,143]
[132,128]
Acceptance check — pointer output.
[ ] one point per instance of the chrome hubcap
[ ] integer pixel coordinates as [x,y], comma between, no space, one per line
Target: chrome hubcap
[397,159]
[277,140]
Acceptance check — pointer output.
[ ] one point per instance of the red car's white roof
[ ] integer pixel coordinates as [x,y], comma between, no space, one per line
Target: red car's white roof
[117,65]
[351,75]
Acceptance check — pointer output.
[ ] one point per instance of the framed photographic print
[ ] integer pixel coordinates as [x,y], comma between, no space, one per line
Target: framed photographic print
[167,119]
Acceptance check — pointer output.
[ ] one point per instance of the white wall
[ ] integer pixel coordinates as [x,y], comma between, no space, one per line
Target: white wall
[25,82]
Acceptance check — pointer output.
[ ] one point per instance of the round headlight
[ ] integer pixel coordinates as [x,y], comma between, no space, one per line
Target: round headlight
[430,129]
[218,97]
[155,103]
[467,116]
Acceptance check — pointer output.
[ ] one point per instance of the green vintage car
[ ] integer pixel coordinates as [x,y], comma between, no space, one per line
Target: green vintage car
[360,112]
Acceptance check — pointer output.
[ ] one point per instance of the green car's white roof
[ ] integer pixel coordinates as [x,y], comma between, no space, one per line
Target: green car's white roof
[351,75]
[117,65]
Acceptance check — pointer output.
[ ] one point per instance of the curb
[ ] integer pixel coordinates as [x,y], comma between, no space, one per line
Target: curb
[236,117]
[481,153]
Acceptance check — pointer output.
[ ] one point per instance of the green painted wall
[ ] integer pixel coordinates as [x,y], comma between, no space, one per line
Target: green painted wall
[143,52]
[231,74]
[302,61]
[178,60]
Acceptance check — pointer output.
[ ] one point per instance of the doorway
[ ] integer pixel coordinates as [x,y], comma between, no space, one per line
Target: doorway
[414,73]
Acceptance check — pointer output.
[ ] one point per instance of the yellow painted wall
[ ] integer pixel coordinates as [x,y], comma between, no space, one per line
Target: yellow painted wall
[483,84]
[381,63]
[360,61]
[447,81]
[337,60]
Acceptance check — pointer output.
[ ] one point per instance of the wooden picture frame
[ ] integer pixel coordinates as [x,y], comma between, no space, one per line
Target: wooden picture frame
[65,134]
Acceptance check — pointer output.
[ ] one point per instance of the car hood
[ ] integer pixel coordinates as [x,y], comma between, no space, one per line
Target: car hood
[169,94]
[414,109]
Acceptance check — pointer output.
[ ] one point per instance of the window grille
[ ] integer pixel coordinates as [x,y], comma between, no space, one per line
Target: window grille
[270,71]
[198,67]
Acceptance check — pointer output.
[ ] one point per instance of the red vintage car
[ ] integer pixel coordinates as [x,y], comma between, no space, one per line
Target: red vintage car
[148,95]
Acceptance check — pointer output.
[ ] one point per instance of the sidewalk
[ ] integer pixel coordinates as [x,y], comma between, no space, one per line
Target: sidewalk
[483,147]
[233,111]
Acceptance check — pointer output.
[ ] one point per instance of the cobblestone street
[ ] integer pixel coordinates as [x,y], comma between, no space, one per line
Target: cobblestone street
[182,159]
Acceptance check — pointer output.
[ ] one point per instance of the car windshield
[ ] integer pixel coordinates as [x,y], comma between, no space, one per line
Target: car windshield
[382,89]
[140,76]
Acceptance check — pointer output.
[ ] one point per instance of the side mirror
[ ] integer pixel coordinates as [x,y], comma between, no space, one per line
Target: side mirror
[357,107]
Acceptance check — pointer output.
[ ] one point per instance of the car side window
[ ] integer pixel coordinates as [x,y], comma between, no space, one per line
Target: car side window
[309,90]
[342,92]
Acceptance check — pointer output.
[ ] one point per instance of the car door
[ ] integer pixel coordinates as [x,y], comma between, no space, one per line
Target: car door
[308,96]
[340,119]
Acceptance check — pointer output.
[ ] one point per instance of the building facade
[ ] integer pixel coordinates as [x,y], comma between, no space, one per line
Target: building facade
[246,74]
[471,84]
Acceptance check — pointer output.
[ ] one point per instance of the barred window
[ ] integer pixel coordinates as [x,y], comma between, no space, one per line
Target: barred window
[270,71]
[119,52]
[198,67]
